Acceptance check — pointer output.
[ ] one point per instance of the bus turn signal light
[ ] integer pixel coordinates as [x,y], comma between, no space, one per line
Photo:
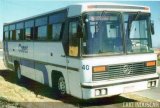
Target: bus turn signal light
[151,63]
[91,6]
[99,69]
[146,8]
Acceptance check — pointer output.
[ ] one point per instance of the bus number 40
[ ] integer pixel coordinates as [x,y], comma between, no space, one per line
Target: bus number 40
[85,67]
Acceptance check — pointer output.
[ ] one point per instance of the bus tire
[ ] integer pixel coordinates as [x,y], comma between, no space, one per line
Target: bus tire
[59,85]
[18,73]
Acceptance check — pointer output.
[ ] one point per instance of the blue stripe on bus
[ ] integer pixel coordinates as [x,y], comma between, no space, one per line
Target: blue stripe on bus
[27,63]
[36,66]
[41,67]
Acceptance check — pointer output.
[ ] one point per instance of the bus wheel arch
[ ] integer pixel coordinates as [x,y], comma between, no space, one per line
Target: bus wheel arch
[58,84]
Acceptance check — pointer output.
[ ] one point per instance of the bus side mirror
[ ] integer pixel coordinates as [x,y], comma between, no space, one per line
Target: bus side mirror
[152,28]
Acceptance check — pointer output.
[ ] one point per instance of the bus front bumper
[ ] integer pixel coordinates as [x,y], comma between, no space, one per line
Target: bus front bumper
[115,87]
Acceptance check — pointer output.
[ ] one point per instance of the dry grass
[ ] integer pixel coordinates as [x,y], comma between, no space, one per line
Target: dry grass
[12,92]
[1,45]
[2,66]
[16,93]
[137,97]
[158,61]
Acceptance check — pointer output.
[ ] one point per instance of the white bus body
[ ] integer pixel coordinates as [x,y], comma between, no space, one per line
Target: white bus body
[40,59]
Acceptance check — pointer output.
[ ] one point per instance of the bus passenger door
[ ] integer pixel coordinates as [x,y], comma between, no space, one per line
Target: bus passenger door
[73,61]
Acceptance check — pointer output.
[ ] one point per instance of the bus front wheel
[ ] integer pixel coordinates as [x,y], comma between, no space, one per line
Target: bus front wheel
[59,85]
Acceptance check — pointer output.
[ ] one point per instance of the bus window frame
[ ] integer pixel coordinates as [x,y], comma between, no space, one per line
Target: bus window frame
[32,34]
[21,28]
[35,33]
[74,19]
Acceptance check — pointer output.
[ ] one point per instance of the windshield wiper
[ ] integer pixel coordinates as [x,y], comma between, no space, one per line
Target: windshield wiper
[137,15]
[130,21]
[98,23]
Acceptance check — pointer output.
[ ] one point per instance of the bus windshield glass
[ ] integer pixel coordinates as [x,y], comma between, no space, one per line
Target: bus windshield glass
[106,35]
[103,34]
[137,32]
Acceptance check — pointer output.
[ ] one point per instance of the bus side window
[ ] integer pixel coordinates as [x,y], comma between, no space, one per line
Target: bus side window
[56,31]
[10,35]
[6,35]
[73,39]
[19,34]
[28,33]
[13,34]
[42,33]
[65,38]
[49,32]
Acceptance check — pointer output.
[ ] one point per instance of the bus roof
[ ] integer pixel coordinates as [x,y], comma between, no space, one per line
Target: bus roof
[79,8]
[36,16]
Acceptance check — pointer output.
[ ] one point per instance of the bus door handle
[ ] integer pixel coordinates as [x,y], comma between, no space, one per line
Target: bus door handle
[63,56]
[51,54]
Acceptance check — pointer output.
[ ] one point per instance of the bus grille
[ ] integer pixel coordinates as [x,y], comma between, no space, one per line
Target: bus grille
[123,70]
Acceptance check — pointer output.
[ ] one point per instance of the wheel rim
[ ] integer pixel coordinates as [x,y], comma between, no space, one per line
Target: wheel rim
[18,73]
[62,85]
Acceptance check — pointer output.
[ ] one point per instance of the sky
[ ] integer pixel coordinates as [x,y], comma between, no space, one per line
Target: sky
[11,10]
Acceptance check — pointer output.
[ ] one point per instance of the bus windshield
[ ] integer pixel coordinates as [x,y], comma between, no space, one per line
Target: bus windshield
[105,35]
[137,32]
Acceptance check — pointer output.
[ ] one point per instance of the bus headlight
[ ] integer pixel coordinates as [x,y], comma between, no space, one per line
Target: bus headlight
[151,84]
[103,92]
[99,68]
[98,92]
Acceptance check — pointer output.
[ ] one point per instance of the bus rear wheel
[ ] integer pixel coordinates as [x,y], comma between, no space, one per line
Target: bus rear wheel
[18,73]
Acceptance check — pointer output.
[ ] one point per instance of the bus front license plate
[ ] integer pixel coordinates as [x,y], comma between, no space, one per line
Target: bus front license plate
[128,89]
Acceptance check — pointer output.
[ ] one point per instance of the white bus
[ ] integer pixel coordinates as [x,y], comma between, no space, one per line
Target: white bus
[87,50]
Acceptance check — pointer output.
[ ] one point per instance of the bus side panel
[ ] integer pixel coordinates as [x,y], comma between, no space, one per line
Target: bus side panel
[6,54]
[24,52]
[48,54]
[74,75]
[9,48]
[14,49]
[27,49]
[51,68]
[21,49]
[39,59]
[27,68]
[27,61]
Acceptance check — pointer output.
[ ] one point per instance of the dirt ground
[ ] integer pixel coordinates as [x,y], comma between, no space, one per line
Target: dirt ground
[12,91]
[30,94]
